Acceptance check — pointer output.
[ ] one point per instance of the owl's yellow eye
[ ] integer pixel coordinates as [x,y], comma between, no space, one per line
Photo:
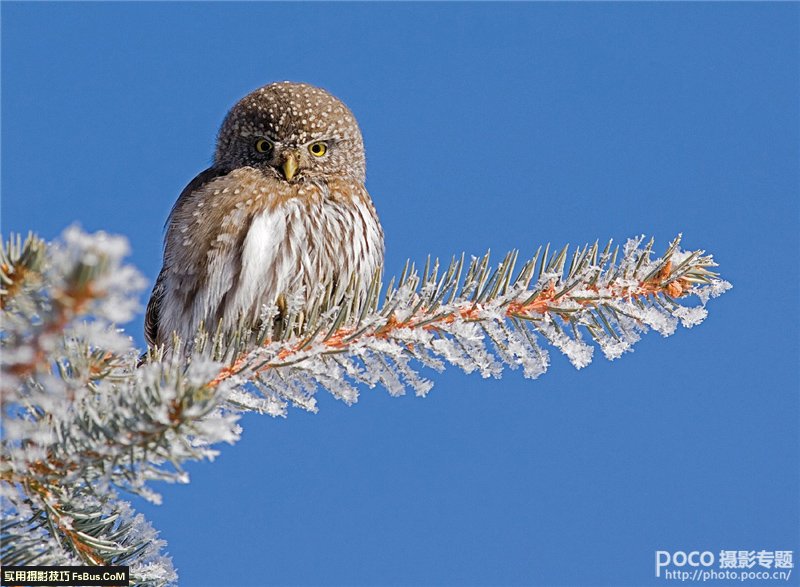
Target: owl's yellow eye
[263,146]
[318,149]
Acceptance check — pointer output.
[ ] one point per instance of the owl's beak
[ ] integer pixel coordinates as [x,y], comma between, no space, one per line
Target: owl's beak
[290,165]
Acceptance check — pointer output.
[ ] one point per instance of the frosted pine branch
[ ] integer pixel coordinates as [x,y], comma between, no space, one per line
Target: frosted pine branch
[84,422]
[481,318]
[79,421]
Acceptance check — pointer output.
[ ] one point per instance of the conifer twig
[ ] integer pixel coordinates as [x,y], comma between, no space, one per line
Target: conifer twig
[83,423]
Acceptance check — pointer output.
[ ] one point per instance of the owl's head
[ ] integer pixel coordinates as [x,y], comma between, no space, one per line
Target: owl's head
[294,132]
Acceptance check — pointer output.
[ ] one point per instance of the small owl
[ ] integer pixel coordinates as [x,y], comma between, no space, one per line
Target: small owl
[282,212]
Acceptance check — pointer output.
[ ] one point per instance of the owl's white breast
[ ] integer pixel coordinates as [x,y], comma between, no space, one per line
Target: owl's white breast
[264,261]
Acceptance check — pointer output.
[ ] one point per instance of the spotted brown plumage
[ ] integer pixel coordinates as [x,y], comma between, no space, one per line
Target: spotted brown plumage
[282,211]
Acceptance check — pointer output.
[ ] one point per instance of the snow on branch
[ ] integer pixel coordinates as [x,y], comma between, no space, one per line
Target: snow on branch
[86,420]
[480,318]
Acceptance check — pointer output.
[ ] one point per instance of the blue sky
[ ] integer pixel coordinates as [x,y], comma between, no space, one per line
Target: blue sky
[486,125]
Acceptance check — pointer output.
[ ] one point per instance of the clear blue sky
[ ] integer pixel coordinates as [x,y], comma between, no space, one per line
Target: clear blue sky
[486,125]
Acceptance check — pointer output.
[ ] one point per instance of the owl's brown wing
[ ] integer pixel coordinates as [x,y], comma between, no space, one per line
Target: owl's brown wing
[151,317]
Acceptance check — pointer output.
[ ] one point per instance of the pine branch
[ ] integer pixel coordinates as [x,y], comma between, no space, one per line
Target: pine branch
[83,423]
[67,437]
[491,318]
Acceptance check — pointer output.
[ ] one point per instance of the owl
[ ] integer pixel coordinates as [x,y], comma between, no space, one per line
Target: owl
[282,213]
